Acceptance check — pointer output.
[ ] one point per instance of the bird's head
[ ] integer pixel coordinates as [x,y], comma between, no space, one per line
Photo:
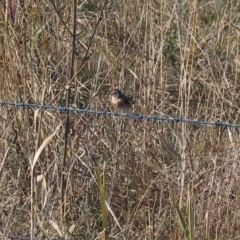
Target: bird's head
[116,93]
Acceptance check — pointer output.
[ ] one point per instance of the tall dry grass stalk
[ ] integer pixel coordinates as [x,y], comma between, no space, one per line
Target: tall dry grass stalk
[154,180]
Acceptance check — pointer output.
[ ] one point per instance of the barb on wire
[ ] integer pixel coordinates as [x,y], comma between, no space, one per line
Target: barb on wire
[138,116]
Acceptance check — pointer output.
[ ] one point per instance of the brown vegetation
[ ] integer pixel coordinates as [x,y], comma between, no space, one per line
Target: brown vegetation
[111,177]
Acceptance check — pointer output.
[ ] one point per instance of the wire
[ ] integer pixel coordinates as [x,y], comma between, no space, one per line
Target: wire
[138,116]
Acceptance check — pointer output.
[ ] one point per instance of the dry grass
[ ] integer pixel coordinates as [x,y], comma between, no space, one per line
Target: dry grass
[123,178]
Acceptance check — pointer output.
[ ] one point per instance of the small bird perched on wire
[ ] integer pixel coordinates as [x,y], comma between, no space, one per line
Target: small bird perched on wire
[121,101]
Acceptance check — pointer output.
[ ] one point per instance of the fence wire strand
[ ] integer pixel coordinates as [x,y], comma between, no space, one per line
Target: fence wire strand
[132,115]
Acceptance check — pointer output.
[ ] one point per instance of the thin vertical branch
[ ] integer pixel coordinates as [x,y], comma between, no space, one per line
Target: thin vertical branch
[73,37]
[63,169]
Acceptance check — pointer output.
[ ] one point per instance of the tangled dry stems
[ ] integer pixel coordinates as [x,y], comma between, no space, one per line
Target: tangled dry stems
[176,60]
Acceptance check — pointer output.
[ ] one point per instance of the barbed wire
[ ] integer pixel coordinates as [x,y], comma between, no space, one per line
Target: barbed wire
[132,115]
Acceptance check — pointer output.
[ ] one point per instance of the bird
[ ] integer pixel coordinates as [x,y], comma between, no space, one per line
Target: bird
[120,100]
